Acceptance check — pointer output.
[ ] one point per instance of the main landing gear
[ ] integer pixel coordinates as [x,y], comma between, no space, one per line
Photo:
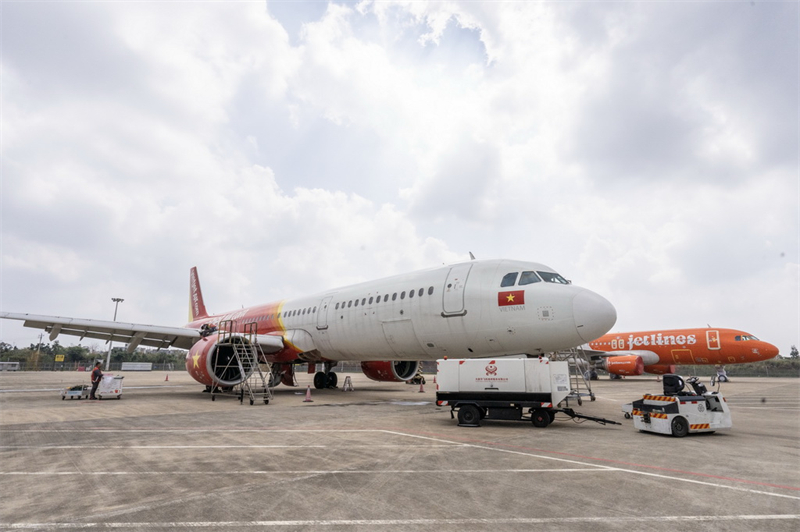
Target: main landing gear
[325,379]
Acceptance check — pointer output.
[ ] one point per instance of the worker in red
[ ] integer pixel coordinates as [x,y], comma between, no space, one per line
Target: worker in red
[97,375]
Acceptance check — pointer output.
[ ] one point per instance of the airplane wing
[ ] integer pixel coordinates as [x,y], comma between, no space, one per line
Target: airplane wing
[133,334]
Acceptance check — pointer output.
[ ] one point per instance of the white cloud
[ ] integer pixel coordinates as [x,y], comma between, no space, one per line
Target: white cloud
[648,151]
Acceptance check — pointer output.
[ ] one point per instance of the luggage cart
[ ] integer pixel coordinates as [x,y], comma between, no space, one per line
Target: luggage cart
[79,391]
[110,387]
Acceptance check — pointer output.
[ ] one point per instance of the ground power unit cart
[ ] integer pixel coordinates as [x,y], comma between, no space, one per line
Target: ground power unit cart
[507,388]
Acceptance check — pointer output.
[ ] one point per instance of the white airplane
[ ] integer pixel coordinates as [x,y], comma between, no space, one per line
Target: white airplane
[481,308]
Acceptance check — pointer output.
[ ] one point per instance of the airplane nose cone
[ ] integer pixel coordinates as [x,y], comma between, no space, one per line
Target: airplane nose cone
[594,315]
[769,351]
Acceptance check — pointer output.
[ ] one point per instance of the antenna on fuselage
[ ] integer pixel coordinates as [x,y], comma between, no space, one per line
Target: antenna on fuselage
[471,256]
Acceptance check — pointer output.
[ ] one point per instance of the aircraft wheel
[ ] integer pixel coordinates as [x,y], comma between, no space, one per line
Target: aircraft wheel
[333,380]
[540,418]
[469,415]
[251,402]
[680,427]
[213,397]
[319,380]
[64,397]
[266,401]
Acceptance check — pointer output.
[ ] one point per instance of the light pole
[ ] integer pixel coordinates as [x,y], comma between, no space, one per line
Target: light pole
[117,301]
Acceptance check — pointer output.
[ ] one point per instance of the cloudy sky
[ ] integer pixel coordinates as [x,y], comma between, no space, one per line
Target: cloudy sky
[645,150]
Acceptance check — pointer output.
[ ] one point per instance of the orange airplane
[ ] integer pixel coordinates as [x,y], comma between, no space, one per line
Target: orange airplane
[659,351]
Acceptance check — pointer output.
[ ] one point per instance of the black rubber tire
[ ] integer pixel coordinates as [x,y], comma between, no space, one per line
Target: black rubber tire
[251,402]
[540,418]
[213,397]
[551,415]
[333,380]
[266,401]
[320,380]
[469,415]
[679,426]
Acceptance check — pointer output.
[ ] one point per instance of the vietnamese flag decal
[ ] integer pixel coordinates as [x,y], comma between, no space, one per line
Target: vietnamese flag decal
[515,297]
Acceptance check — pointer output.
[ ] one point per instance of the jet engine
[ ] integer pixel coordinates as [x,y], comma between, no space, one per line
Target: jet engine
[660,369]
[625,365]
[390,370]
[213,364]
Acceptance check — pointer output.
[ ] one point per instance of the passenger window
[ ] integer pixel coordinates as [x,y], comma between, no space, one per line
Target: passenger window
[356,302]
[430,291]
[403,294]
[370,300]
[509,279]
[421,291]
[394,296]
[528,278]
[386,298]
[363,301]
[349,304]
[410,293]
[337,306]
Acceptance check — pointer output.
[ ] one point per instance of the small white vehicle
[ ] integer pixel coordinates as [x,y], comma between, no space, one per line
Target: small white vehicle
[110,387]
[505,388]
[79,391]
[678,412]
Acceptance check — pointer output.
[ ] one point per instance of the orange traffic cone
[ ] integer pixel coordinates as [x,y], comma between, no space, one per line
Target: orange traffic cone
[421,388]
[308,395]
[434,379]
[167,378]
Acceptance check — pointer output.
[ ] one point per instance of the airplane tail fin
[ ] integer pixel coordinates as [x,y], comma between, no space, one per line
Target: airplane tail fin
[197,308]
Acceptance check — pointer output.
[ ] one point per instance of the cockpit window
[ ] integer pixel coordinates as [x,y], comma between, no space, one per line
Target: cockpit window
[528,278]
[509,279]
[550,277]
[741,338]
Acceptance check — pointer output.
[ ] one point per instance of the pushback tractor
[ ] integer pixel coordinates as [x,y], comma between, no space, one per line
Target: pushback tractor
[519,389]
[679,412]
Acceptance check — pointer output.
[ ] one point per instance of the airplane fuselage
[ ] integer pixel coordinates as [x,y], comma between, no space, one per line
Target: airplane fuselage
[689,346]
[466,310]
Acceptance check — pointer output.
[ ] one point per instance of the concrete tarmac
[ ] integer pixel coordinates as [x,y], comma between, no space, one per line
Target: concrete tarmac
[384,457]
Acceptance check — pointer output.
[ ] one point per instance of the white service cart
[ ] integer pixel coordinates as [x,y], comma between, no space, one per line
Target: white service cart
[679,412]
[110,387]
[513,388]
[79,391]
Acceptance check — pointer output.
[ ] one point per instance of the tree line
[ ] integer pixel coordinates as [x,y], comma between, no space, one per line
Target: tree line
[43,355]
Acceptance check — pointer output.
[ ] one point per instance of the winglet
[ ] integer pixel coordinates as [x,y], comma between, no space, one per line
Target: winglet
[197,309]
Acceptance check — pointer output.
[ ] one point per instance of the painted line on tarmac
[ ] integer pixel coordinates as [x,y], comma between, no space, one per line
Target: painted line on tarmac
[60,389]
[403,522]
[633,471]
[92,447]
[201,429]
[308,472]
